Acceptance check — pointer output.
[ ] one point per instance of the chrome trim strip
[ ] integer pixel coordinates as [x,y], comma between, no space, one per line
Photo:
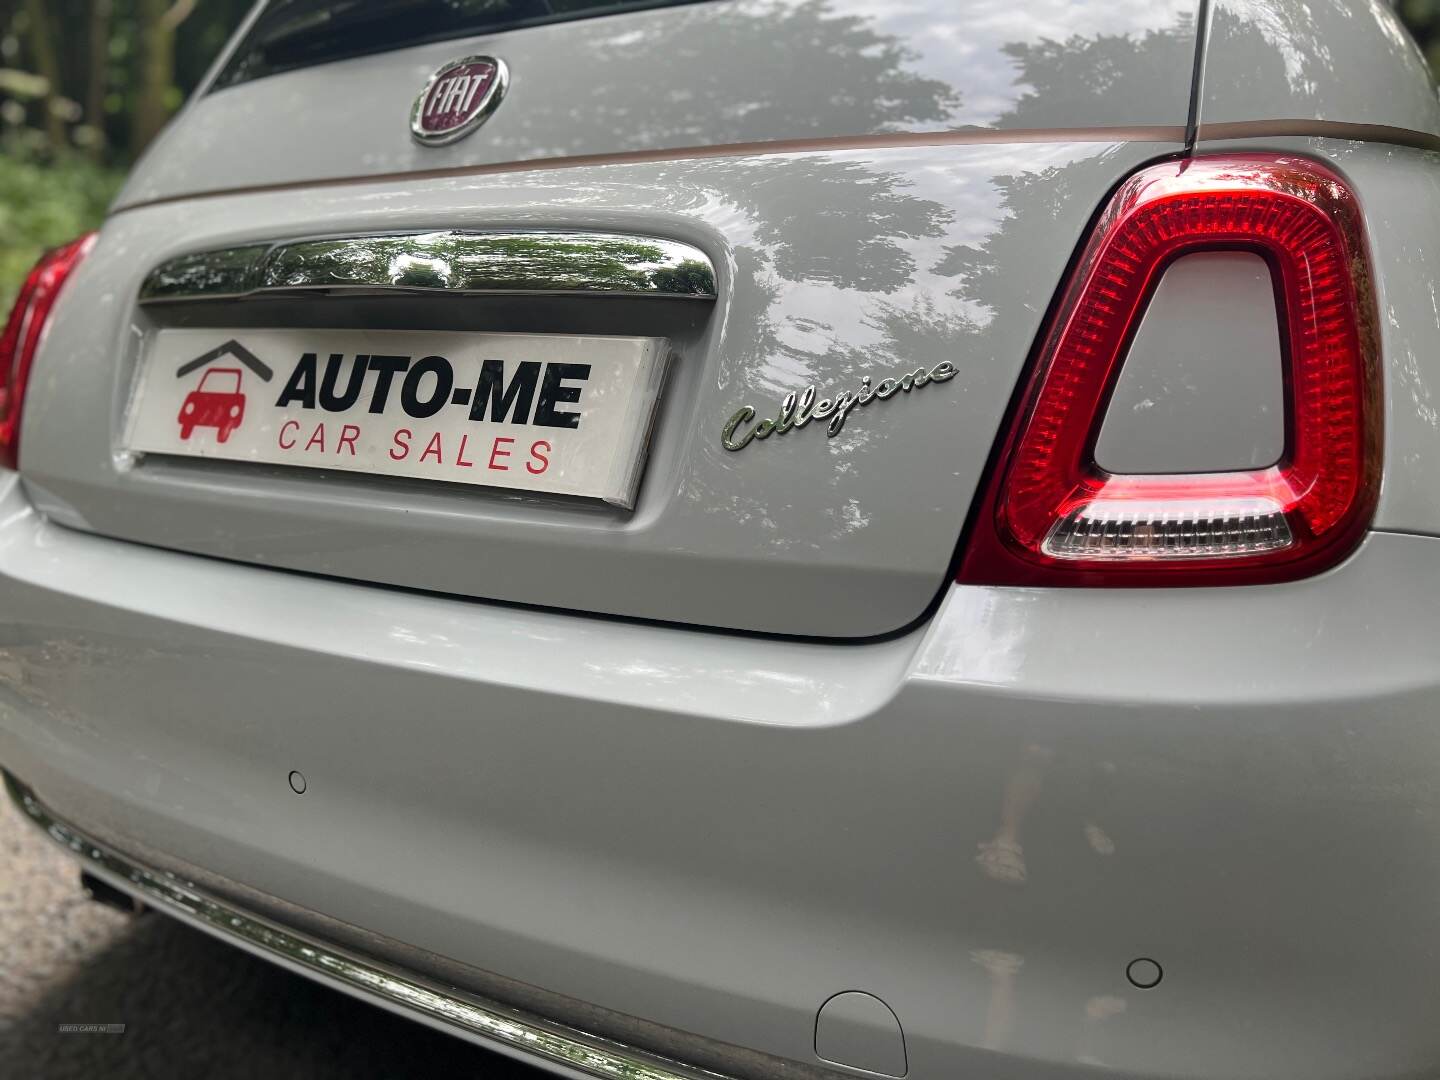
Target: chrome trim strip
[447,263]
[571,1048]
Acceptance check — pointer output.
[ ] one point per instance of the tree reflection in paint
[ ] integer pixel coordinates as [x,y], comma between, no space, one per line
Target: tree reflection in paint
[873,263]
[519,262]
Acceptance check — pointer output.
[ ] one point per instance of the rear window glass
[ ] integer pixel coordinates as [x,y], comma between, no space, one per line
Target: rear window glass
[293,34]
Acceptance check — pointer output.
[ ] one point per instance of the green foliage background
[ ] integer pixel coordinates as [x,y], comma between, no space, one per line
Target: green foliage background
[84,84]
[44,203]
[1423,19]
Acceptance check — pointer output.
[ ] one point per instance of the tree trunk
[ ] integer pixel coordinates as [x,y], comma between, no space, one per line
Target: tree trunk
[157,73]
[99,70]
[159,20]
[47,64]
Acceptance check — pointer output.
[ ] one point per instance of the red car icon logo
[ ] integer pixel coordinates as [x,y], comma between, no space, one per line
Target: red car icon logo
[216,403]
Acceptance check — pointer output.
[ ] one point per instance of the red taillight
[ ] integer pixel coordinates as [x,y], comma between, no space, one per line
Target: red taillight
[23,332]
[1052,516]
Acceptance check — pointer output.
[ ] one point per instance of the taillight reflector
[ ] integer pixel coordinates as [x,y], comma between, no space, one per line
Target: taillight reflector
[1050,515]
[23,332]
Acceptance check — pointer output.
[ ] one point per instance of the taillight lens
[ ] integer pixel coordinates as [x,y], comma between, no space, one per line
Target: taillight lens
[1050,515]
[23,331]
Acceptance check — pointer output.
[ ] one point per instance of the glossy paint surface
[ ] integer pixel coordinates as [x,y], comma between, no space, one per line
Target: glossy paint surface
[1349,61]
[831,267]
[1398,189]
[1189,399]
[568,1054]
[982,821]
[982,824]
[733,71]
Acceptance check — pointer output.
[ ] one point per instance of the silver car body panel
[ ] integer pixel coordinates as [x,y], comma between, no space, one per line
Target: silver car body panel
[981,819]
[736,71]
[1190,399]
[567,1051]
[959,248]
[1327,61]
[981,822]
[1400,188]
[566,1037]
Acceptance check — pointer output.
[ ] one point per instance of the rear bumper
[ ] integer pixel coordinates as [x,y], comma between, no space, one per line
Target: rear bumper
[982,822]
[564,1050]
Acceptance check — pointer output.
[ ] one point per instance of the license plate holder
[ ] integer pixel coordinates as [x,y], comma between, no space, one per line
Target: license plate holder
[557,414]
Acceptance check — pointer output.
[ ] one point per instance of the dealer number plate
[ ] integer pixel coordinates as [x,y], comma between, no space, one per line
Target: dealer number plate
[551,413]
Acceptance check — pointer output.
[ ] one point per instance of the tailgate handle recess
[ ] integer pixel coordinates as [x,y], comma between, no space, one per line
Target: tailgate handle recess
[511,263]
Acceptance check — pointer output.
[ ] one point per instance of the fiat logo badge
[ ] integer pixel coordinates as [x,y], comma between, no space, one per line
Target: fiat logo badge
[458,99]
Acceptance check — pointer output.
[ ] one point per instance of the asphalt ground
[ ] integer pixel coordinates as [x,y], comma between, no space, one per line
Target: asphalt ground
[191,1006]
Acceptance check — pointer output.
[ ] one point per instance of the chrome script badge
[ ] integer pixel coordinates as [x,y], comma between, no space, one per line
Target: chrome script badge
[458,99]
[797,410]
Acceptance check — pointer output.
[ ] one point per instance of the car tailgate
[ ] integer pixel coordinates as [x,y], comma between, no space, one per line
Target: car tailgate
[858,257]
[724,73]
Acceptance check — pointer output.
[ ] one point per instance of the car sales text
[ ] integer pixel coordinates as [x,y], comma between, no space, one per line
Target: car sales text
[532,395]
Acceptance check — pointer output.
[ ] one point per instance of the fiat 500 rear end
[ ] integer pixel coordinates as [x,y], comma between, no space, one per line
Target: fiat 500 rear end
[786,539]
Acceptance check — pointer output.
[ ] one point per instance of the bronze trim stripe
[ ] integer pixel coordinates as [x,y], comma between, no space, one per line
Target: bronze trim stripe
[956,137]
[1319,129]
[1242,129]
